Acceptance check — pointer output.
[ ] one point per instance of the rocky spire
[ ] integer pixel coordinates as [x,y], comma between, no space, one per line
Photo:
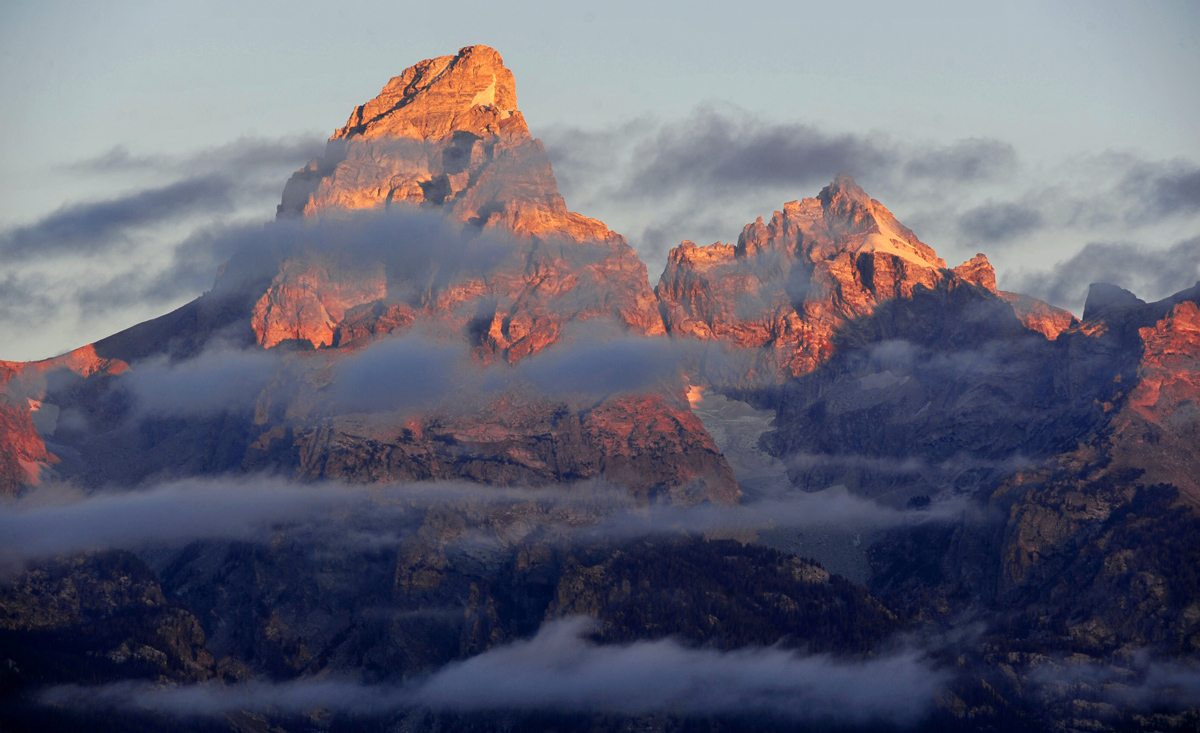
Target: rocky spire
[444,135]
[790,282]
[471,92]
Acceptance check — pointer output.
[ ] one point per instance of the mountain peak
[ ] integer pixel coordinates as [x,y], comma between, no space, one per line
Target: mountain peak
[843,188]
[445,135]
[472,92]
[1106,297]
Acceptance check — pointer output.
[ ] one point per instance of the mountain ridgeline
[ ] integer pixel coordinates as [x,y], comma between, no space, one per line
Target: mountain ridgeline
[1012,491]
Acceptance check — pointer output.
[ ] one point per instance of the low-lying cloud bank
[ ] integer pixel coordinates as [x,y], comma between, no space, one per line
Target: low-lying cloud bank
[408,372]
[560,669]
[1141,682]
[58,520]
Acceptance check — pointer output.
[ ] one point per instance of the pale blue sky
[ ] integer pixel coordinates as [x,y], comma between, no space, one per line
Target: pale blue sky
[1059,81]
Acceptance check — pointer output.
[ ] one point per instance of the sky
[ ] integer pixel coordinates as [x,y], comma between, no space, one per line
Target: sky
[1057,137]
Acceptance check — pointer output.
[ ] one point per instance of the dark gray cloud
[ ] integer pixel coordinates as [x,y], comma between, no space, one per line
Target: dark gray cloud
[191,269]
[199,191]
[218,380]
[57,520]
[593,361]
[965,161]
[406,242]
[704,177]
[832,507]
[719,151]
[1149,273]
[1139,681]
[599,364]
[560,669]
[95,228]
[397,374]
[1161,189]
[996,222]
[24,301]
[245,156]
[713,153]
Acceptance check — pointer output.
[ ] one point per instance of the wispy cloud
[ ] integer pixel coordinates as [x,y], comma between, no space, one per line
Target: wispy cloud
[247,155]
[559,669]
[993,222]
[91,264]
[56,520]
[96,228]
[43,525]
[1147,272]
[705,176]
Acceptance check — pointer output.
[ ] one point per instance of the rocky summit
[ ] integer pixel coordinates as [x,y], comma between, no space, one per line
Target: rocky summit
[432,439]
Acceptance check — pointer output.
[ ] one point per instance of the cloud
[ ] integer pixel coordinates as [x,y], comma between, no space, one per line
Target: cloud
[591,361]
[596,363]
[965,161]
[1140,681]
[191,269]
[23,301]
[1161,189]
[1149,273]
[173,513]
[719,151]
[994,222]
[834,506]
[96,228]
[705,176]
[106,262]
[247,155]
[218,380]
[559,669]
[396,374]
[56,519]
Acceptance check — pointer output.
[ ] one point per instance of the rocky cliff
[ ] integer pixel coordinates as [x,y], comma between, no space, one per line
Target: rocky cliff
[446,136]
[1057,458]
[433,212]
[789,284]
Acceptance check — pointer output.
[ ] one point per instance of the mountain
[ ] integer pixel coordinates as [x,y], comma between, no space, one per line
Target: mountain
[819,440]
[465,239]
[789,284]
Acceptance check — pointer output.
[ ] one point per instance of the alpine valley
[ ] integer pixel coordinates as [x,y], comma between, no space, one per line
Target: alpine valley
[433,454]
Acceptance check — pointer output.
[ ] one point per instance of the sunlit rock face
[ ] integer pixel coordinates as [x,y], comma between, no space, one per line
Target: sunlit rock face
[503,266]
[1091,542]
[433,211]
[445,133]
[791,282]
[26,419]
[1035,314]
[1155,426]
[446,137]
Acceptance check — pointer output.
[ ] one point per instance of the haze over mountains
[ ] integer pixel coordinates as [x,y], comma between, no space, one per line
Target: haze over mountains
[429,418]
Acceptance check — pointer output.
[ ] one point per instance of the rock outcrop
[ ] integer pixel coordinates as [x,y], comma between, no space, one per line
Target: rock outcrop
[446,136]
[434,211]
[1037,315]
[1057,458]
[1090,547]
[25,419]
[788,284]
